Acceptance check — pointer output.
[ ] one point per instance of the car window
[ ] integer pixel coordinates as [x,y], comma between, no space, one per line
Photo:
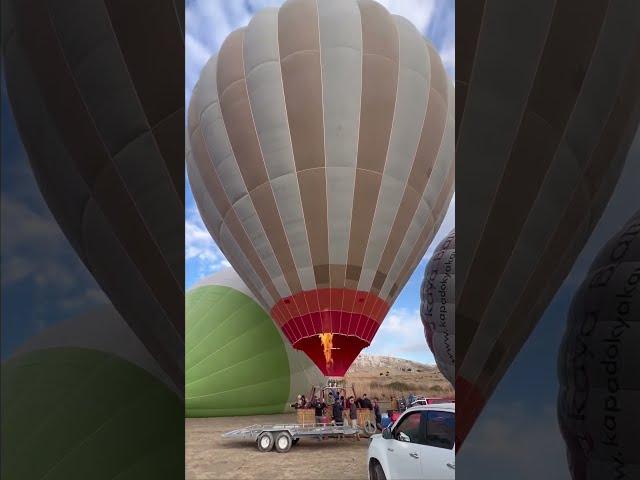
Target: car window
[409,430]
[440,428]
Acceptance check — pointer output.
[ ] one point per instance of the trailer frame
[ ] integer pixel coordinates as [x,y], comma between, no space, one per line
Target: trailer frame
[282,436]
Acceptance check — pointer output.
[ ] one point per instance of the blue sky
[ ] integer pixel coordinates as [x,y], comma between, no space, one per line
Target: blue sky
[208,24]
[43,279]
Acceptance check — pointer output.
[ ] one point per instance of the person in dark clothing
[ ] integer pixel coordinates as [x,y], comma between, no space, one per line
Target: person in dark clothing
[353,416]
[337,413]
[377,414]
[358,402]
[319,406]
[366,403]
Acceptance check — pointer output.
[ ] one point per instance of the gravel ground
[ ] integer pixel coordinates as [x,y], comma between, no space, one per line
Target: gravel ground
[210,457]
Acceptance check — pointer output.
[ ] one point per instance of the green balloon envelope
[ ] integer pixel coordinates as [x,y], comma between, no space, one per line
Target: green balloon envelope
[236,360]
[82,413]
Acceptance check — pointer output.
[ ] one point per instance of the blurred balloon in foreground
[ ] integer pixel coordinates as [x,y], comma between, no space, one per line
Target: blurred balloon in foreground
[437,307]
[599,361]
[539,148]
[96,89]
[237,360]
[322,165]
[75,404]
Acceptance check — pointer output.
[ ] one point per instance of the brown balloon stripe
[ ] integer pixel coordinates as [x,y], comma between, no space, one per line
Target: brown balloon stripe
[240,125]
[300,63]
[211,181]
[430,143]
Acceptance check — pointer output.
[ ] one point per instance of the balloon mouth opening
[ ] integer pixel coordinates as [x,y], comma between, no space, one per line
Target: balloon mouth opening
[343,351]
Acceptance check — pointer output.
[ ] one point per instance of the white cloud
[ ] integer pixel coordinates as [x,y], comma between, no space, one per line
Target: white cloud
[199,246]
[402,335]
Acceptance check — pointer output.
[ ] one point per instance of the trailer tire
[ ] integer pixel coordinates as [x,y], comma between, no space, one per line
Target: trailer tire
[265,442]
[369,428]
[283,442]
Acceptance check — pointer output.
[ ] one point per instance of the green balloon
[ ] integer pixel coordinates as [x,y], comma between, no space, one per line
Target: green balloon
[71,412]
[236,360]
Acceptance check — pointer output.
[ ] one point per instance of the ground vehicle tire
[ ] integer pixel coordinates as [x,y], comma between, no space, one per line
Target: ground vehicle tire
[283,442]
[295,441]
[377,473]
[369,428]
[265,442]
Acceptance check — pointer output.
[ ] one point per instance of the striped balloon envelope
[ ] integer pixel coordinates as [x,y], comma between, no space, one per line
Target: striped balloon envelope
[322,164]
[539,149]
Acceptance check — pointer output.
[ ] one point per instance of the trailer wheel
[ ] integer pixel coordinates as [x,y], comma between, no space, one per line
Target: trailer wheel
[295,441]
[265,442]
[283,442]
[369,428]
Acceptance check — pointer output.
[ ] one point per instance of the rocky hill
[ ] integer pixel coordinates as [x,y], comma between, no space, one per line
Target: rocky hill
[383,376]
[370,363]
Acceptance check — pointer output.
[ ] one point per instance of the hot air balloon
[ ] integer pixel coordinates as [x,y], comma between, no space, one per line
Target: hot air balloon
[70,393]
[322,165]
[539,148]
[598,364]
[437,308]
[96,89]
[237,360]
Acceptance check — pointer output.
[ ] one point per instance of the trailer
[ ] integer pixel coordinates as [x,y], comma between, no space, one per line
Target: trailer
[284,436]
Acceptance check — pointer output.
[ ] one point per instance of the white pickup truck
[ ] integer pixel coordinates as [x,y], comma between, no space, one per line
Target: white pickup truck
[419,445]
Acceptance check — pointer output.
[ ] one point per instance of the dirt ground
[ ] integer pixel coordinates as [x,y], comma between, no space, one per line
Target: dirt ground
[210,457]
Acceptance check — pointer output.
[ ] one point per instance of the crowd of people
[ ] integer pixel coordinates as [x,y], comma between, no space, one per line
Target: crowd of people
[337,407]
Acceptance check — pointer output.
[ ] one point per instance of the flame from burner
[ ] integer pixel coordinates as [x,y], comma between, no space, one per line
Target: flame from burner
[327,344]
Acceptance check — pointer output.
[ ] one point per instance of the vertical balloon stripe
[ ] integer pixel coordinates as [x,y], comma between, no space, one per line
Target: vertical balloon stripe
[238,117]
[408,121]
[440,176]
[299,42]
[380,69]
[266,95]
[341,56]
[431,141]
[214,188]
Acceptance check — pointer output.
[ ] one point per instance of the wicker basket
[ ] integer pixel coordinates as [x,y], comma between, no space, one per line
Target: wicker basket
[306,416]
[365,414]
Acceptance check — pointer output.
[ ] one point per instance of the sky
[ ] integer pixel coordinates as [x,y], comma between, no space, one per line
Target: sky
[43,279]
[208,22]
